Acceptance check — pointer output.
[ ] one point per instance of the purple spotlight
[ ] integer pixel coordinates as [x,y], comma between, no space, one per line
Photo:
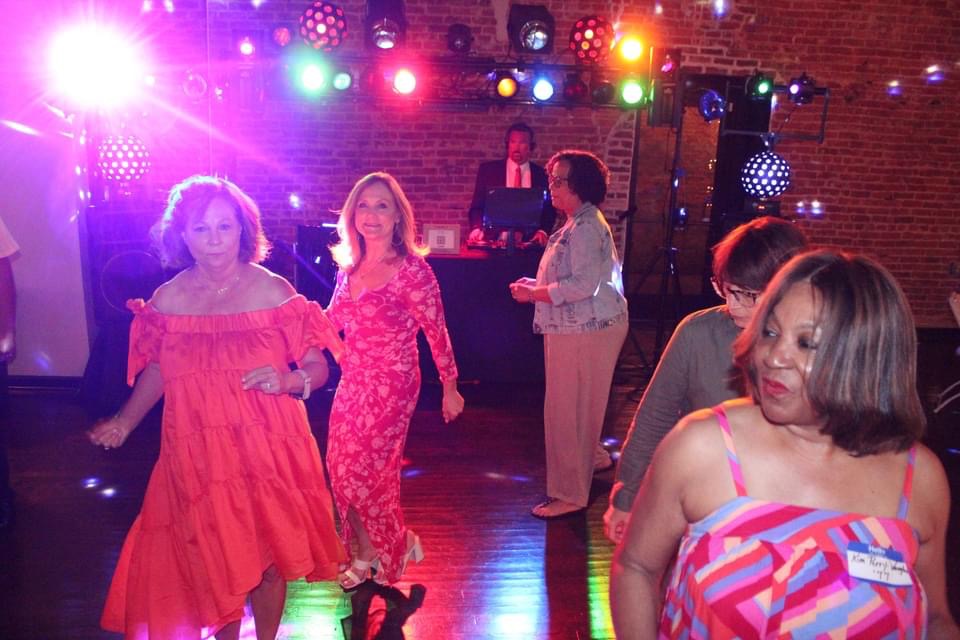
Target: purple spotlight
[93,66]
[934,74]
[894,88]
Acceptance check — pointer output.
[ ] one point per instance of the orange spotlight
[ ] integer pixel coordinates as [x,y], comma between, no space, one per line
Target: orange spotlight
[630,48]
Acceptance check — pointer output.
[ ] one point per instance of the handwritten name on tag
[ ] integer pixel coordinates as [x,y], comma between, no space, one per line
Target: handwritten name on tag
[877,564]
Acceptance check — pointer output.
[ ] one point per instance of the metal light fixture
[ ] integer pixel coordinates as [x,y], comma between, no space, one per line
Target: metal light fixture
[459,39]
[759,86]
[712,105]
[385,25]
[531,28]
[802,89]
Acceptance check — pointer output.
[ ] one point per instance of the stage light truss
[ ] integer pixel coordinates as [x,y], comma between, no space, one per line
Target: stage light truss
[473,80]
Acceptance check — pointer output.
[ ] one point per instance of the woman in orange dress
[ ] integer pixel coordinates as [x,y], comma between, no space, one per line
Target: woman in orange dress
[237,504]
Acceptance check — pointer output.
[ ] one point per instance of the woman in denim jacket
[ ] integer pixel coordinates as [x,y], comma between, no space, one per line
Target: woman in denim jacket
[582,314]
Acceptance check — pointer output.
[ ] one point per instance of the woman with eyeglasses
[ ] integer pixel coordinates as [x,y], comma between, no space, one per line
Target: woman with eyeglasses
[582,314]
[696,369]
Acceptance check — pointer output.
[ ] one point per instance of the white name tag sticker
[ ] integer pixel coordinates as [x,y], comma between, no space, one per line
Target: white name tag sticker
[876,564]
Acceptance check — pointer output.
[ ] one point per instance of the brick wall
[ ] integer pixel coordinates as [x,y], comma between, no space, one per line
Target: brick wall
[886,174]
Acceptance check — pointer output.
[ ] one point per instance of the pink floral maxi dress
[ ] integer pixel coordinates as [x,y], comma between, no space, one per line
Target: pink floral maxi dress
[376,398]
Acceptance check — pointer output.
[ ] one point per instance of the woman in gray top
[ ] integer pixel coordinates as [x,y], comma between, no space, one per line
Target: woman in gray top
[582,314]
[696,369]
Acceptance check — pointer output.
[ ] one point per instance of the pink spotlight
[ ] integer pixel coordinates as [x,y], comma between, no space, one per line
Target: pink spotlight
[92,66]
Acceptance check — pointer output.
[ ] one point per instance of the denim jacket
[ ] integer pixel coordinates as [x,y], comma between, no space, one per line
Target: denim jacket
[581,271]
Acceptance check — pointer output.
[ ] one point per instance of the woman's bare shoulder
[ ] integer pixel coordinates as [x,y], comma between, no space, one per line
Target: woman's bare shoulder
[930,495]
[271,288]
[169,296]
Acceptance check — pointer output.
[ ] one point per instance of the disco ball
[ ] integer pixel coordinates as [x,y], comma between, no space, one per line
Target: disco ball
[123,158]
[323,26]
[765,175]
[591,39]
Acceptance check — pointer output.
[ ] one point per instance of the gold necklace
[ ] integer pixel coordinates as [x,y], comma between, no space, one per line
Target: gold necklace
[365,273]
[226,287]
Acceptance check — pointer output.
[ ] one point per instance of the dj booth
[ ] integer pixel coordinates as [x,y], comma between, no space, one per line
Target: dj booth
[492,335]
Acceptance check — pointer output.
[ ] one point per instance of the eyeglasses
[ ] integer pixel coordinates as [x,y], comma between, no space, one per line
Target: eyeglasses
[557,180]
[744,298]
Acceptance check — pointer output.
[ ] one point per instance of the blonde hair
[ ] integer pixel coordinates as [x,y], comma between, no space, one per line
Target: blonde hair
[351,248]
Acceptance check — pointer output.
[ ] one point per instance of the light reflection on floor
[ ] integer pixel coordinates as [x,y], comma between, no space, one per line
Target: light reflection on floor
[313,612]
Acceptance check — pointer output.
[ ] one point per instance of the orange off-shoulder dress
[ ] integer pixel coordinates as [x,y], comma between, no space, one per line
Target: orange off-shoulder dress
[239,484]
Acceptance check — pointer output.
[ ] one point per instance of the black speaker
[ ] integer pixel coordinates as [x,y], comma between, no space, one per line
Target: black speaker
[315,272]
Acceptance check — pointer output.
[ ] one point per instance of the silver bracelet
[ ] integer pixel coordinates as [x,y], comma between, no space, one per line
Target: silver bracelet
[306,382]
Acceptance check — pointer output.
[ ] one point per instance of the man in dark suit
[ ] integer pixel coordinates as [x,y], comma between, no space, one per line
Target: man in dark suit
[517,171]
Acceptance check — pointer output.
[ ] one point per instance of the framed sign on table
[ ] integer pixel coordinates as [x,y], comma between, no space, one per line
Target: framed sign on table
[442,238]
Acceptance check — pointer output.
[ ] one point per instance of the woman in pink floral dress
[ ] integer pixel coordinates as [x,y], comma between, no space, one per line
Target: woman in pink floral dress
[385,293]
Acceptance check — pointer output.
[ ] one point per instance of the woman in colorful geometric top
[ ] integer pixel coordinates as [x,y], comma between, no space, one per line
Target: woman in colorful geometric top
[386,292]
[812,511]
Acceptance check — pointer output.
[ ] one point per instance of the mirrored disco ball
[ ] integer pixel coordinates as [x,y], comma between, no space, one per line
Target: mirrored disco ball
[123,158]
[765,175]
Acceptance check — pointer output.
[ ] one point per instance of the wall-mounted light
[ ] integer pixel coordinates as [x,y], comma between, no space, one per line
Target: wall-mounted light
[531,28]
[591,39]
[712,105]
[459,39]
[802,89]
[323,26]
[385,26]
[759,86]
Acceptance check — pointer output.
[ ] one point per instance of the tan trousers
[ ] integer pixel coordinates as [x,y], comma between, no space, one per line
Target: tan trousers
[579,370]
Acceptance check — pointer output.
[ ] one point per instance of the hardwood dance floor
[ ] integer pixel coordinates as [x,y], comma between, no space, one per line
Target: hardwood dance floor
[491,570]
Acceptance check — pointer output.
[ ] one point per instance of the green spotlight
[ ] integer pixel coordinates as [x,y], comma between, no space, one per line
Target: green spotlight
[632,92]
[759,86]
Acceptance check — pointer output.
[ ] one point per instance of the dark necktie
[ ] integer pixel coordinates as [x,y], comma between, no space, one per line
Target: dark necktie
[517,178]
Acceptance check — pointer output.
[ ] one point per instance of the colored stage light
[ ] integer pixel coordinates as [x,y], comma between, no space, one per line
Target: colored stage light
[194,85]
[342,80]
[591,39]
[323,26]
[404,82]
[630,48]
[802,89]
[281,35]
[543,89]
[632,92]
[602,92]
[934,74]
[123,158]
[574,89]
[506,84]
[765,175]
[759,86]
[894,88]
[92,66]
[313,77]
[246,47]
[531,28]
[459,39]
[385,25]
[712,105]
